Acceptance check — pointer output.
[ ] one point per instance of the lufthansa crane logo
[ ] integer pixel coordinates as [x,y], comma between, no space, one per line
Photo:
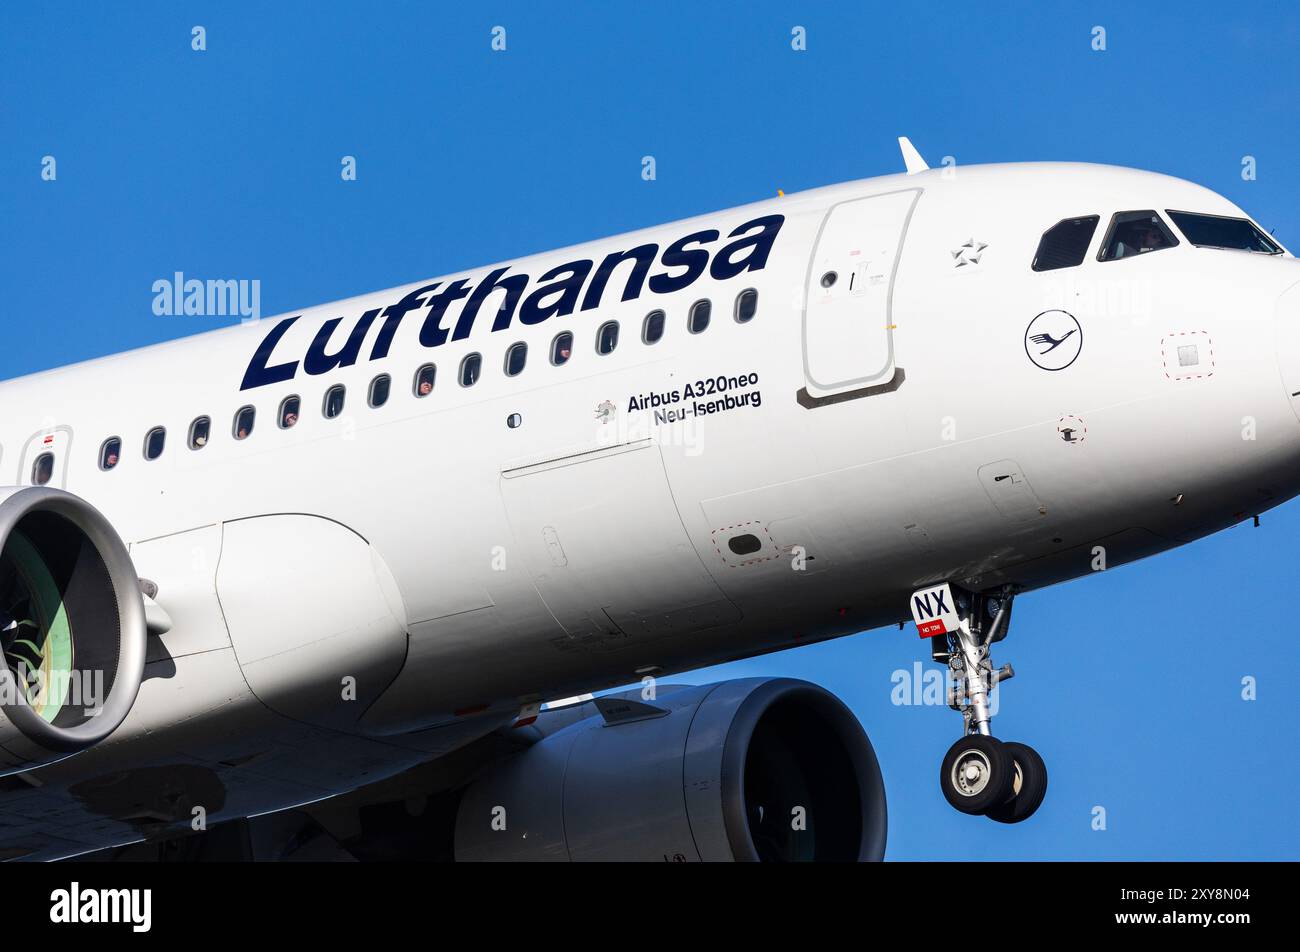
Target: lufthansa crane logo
[1053,340]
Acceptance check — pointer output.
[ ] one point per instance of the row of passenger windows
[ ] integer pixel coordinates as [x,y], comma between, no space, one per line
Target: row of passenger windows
[471,367]
[1065,244]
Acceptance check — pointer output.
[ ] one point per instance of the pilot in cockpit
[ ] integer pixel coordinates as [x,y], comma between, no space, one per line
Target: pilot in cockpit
[1136,236]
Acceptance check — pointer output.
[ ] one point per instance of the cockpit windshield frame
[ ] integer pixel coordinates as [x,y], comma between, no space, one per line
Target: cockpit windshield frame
[1263,237]
[1134,234]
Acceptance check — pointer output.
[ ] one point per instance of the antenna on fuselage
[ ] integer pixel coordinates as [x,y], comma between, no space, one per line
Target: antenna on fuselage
[911,158]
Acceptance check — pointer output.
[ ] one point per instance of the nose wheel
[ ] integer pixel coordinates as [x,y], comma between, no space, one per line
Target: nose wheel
[980,775]
[1028,786]
[1005,782]
[976,774]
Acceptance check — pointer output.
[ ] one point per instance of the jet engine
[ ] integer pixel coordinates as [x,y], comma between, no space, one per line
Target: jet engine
[72,627]
[750,770]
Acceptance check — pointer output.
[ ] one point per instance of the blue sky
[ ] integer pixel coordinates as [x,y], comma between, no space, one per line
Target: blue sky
[225,163]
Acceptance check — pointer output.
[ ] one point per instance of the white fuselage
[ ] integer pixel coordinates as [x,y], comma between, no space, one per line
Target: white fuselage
[879,437]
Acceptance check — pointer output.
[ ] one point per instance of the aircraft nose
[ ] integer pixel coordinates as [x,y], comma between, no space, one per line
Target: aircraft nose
[1287,318]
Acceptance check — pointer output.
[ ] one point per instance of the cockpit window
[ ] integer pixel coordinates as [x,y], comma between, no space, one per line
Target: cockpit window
[1135,233]
[1218,231]
[1065,244]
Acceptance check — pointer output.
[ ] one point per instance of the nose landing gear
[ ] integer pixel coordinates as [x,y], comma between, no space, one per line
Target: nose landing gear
[980,774]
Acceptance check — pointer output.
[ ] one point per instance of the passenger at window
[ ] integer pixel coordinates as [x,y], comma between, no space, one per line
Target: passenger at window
[426,387]
[111,460]
[288,412]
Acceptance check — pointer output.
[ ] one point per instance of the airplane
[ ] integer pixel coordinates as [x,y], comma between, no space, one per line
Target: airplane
[342,583]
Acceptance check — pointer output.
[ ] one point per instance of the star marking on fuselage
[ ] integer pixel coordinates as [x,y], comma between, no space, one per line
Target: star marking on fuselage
[969,253]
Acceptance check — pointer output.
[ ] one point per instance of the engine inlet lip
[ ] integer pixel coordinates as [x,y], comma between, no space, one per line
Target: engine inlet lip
[838,718]
[132,640]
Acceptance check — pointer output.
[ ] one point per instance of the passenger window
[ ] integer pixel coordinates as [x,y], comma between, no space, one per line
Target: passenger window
[424,380]
[746,306]
[1065,244]
[699,318]
[469,369]
[154,441]
[516,357]
[110,453]
[1135,233]
[289,412]
[244,422]
[379,388]
[607,337]
[199,430]
[561,348]
[333,405]
[652,328]
[42,469]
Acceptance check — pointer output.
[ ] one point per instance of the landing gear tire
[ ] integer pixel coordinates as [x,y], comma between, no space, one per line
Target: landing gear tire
[1029,785]
[977,774]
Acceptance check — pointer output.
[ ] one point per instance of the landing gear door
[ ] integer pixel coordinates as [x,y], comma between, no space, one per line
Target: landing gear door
[848,334]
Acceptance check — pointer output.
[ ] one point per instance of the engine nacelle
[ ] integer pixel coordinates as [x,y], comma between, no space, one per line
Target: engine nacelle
[72,627]
[754,769]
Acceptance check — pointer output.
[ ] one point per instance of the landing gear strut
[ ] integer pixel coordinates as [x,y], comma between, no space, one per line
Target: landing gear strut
[980,774]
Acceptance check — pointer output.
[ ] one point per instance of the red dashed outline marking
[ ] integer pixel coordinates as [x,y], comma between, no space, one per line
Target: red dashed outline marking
[1164,357]
[742,525]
